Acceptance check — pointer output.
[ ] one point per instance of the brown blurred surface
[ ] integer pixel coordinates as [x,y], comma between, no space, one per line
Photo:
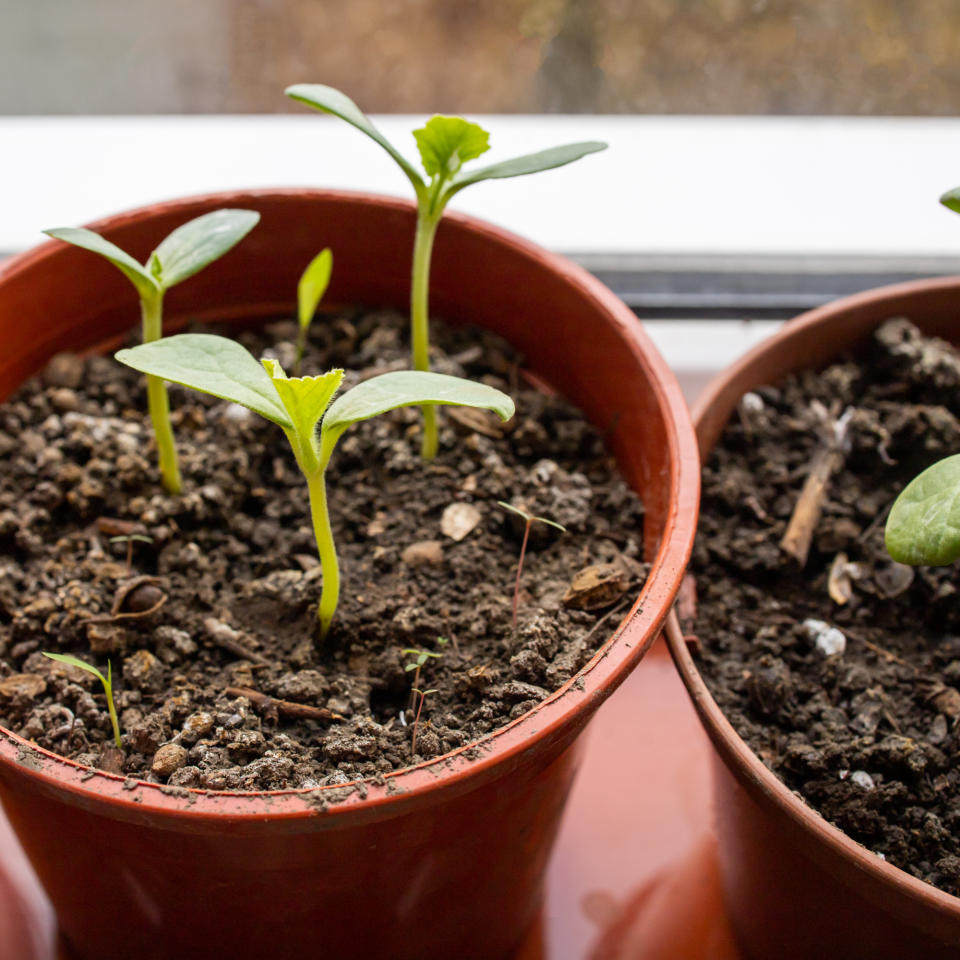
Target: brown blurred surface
[634,874]
[515,56]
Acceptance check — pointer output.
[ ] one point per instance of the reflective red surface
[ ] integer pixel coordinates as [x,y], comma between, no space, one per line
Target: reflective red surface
[633,875]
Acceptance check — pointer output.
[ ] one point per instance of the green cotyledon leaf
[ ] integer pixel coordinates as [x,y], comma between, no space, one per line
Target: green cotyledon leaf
[924,523]
[305,398]
[529,163]
[75,662]
[330,100]
[406,388]
[446,143]
[189,248]
[313,285]
[211,364]
[137,274]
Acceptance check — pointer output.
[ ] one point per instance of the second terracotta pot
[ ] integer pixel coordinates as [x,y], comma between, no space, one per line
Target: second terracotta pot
[796,887]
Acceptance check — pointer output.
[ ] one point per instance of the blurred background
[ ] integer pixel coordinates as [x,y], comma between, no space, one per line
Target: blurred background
[793,57]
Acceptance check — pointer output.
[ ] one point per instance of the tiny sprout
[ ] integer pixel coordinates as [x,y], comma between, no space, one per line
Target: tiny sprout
[310,290]
[523,547]
[301,407]
[421,657]
[445,145]
[129,538]
[107,682]
[183,253]
[416,720]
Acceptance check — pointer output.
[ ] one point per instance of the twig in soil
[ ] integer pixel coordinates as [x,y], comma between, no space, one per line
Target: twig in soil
[881,651]
[416,720]
[529,518]
[272,708]
[826,461]
[225,637]
[623,602]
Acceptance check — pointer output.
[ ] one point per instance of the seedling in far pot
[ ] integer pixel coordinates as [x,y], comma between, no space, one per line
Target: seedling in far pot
[301,407]
[183,253]
[445,145]
[923,527]
[530,520]
[128,539]
[310,290]
[416,720]
[420,658]
[107,682]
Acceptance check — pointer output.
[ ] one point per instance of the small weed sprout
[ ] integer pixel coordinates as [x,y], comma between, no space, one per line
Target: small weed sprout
[128,539]
[445,145]
[183,253]
[420,658]
[923,527]
[107,682]
[301,407]
[423,694]
[310,290]
[530,520]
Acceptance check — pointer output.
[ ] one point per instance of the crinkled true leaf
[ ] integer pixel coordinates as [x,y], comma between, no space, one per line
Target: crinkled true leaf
[330,100]
[210,364]
[313,285]
[137,274]
[74,662]
[411,388]
[529,163]
[305,398]
[924,522]
[199,242]
[446,143]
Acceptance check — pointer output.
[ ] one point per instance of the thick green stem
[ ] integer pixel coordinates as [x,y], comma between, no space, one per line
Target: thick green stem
[330,593]
[157,401]
[420,318]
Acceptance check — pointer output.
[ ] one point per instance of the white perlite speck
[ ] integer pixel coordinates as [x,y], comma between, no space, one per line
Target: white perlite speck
[829,640]
[862,779]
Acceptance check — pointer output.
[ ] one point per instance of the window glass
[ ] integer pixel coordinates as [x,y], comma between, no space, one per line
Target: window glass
[875,57]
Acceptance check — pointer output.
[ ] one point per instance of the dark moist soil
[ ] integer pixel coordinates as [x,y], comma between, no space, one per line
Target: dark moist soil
[867,734]
[425,551]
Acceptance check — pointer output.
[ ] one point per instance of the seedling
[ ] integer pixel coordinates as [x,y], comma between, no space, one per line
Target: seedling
[129,538]
[301,407]
[310,290]
[183,253]
[416,720]
[923,528]
[530,520]
[420,658]
[107,682]
[445,145]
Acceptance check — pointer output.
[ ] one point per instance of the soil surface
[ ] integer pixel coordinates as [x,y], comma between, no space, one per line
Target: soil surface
[843,676]
[211,629]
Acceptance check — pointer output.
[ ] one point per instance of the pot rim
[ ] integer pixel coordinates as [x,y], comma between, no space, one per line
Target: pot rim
[749,770]
[432,780]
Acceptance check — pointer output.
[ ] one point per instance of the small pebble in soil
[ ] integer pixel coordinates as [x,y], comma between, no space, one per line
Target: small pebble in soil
[168,758]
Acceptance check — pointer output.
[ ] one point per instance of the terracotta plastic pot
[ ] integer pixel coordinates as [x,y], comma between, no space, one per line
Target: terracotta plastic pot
[795,886]
[446,859]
